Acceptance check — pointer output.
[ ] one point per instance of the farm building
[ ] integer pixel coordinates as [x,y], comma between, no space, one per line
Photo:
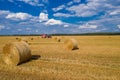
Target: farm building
[45,36]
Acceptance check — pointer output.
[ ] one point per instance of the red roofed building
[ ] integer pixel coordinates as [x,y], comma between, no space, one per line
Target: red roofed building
[45,36]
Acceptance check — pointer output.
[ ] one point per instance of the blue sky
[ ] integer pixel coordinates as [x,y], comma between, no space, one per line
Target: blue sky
[59,16]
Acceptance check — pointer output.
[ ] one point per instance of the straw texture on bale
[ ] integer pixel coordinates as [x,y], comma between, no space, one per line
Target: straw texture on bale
[16,53]
[71,44]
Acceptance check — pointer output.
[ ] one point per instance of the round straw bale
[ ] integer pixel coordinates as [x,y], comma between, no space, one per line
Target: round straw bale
[31,38]
[71,44]
[19,39]
[66,40]
[55,38]
[16,53]
[16,38]
[58,39]
[23,39]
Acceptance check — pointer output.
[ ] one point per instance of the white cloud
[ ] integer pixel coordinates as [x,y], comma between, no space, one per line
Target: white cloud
[83,10]
[69,3]
[43,17]
[88,26]
[2,12]
[53,22]
[66,25]
[118,26]
[58,8]
[74,1]
[91,8]
[32,2]
[102,24]
[62,15]
[18,16]
[115,12]
[64,7]
[2,27]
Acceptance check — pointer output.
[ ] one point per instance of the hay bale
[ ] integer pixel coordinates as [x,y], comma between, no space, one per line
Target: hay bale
[16,38]
[16,53]
[65,40]
[58,39]
[55,38]
[19,39]
[31,39]
[22,39]
[71,44]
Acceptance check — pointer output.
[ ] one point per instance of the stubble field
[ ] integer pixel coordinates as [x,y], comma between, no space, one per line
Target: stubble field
[98,58]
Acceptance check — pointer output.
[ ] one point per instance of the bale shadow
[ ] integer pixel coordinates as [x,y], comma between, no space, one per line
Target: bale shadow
[35,57]
[75,49]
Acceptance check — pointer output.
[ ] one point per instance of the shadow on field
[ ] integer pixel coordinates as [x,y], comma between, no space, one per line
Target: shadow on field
[35,57]
[75,49]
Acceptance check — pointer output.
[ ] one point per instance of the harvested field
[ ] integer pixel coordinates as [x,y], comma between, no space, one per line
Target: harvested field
[98,58]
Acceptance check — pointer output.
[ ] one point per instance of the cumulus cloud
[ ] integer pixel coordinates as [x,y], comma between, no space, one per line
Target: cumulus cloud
[53,22]
[62,15]
[43,17]
[91,8]
[115,12]
[2,27]
[18,16]
[32,2]
[66,25]
[63,6]
[88,26]
[103,24]
[84,10]
[59,8]
[3,12]
[73,1]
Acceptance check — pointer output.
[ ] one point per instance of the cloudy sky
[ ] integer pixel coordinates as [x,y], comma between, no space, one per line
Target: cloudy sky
[59,16]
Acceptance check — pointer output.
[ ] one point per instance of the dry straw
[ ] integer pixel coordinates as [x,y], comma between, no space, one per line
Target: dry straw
[19,39]
[22,39]
[55,38]
[31,38]
[16,53]
[16,38]
[58,39]
[71,44]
